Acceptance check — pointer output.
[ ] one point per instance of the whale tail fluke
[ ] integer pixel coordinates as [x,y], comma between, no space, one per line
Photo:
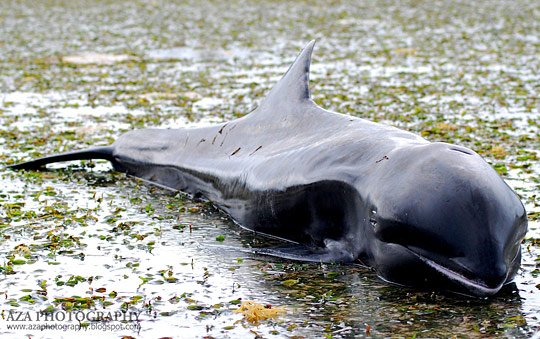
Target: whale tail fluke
[104,152]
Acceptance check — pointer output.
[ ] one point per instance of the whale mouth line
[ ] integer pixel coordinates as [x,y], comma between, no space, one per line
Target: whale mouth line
[472,285]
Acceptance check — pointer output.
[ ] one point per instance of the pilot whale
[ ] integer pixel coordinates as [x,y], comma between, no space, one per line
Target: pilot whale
[339,189]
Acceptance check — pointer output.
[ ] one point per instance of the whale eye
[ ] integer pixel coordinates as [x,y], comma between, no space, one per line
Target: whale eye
[372,218]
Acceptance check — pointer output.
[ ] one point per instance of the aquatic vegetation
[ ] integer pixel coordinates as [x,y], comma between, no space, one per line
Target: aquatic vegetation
[255,312]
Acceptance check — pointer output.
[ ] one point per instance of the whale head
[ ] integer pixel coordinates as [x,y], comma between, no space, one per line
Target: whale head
[445,219]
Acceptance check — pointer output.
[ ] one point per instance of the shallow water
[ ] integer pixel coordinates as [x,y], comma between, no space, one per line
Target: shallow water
[86,238]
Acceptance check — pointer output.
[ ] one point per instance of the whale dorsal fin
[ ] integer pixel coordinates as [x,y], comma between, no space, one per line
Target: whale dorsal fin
[293,88]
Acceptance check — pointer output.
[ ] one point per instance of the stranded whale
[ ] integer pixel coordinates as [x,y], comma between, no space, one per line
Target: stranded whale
[340,188]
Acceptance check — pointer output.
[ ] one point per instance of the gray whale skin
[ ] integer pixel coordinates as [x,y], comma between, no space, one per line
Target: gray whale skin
[424,214]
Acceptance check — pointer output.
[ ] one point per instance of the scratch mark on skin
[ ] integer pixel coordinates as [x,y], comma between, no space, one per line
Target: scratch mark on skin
[219,132]
[381,159]
[225,137]
[222,128]
[258,148]
[237,150]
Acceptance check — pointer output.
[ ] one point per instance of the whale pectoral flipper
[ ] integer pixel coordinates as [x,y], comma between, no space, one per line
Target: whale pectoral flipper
[299,252]
[104,152]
